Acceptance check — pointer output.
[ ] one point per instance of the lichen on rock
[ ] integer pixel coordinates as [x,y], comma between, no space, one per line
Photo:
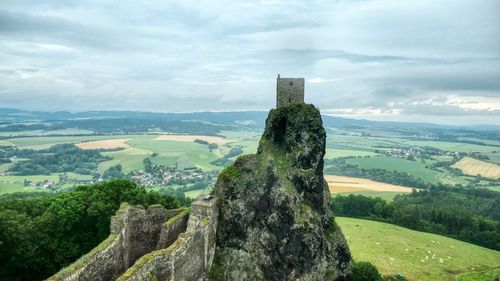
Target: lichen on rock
[275,219]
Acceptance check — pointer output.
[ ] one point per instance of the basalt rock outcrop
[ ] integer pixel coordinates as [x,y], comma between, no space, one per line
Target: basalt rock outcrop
[275,220]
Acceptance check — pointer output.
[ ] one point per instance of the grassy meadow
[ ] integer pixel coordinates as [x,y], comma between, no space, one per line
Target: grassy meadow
[416,255]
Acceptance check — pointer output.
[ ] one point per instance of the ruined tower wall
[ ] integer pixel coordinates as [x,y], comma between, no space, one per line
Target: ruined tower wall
[190,256]
[289,91]
[134,232]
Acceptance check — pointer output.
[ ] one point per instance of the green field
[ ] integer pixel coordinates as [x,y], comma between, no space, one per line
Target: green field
[416,255]
[185,154]
[386,195]
[20,179]
[15,187]
[5,143]
[168,161]
[4,167]
[203,159]
[396,164]
[370,143]
[130,158]
[487,275]
[336,153]
[196,193]
[456,146]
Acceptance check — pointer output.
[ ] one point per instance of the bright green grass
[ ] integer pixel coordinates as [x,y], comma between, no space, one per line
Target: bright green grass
[164,146]
[196,193]
[16,187]
[336,153]
[78,176]
[5,143]
[386,195]
[447,178]
[183,162]
[492,187]
[487,275]
[494,158]
[168,161]
[185,154]
[20,179]
[455,146]
[203,159]
[130,158]
[408,248]
[4,167]
[396,164]
[362,142]
[46,142]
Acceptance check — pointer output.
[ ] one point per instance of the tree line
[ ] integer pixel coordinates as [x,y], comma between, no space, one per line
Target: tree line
[59,158]
[41,234]
[470,215]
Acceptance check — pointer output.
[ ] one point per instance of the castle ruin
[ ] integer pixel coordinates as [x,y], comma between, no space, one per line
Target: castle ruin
[289,91]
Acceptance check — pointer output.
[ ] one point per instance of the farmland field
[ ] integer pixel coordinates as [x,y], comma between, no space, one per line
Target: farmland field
[5,143]
[130,159]
[104,144]
[335,153]
[471,166]
[456,146]
[339,184]
[416,255]
[386,195]
[15,187]
[414,168]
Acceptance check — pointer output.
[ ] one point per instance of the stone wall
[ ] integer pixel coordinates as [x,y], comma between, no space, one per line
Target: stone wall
[189,258]
[134,232]
[171,229]
[289,91]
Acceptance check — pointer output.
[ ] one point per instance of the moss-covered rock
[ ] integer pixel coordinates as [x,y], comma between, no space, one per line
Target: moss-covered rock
[275,220]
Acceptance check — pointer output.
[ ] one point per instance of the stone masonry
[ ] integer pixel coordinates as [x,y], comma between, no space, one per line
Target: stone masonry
[289,91]
[152,244]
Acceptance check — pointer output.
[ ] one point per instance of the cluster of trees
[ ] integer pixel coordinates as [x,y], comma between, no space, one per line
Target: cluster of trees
[224,161]
[114,172]
[59,158]
[468,215]
[339,166]
[39,234]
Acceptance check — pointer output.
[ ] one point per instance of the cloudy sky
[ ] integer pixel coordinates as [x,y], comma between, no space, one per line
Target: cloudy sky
[396,60]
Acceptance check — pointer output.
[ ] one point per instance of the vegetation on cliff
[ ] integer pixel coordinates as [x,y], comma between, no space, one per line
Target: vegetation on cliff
[39,236]
[275,221]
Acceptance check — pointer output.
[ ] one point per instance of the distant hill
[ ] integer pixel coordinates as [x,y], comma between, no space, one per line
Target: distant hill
[213,122]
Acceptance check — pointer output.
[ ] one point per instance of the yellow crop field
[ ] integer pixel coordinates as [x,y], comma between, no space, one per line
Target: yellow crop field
[104,144]
[191,138]
[473,167]
[339,184]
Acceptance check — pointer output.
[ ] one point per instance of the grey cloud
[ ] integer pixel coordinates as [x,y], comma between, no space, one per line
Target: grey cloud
[224,55]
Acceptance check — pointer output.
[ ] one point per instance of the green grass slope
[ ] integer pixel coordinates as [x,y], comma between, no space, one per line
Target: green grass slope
[416,255]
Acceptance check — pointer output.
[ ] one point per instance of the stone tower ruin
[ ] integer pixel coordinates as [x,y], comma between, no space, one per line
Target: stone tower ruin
[289,91]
